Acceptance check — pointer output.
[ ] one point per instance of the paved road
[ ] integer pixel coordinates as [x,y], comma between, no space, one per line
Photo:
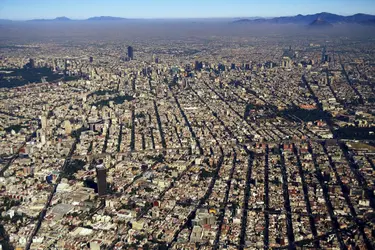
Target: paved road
[245,208]
[306,197]
[216,245]
[334,221]
[287,206]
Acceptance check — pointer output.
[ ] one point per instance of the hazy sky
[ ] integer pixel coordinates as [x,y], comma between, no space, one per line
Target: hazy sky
[80,9]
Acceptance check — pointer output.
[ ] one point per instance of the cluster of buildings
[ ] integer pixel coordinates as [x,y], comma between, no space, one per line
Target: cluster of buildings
[189,145]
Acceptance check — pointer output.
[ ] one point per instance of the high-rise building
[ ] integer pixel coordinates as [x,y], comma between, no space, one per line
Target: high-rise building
[91,59]
[32,63]
[286,62]
[221,67]
[130,52]
[44,122]
[66,64]
[326,58]
[41,136]
[324,54]
[198,65]
[101,175]
[68,127]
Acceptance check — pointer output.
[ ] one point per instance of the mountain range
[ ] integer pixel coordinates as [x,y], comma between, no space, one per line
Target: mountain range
[66,19]
[105,18]
[298,19]
[309,19]
[57,19]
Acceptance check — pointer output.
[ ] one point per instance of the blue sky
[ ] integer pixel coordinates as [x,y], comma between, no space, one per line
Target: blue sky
[80,9]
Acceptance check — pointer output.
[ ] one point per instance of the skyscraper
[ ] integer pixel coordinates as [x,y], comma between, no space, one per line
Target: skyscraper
[43,120]
[67,127]
[130,52]
[198,65]
[101,175]
[32,63]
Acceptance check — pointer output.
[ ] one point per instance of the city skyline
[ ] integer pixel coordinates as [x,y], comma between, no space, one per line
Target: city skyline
[177,134]
[146,9]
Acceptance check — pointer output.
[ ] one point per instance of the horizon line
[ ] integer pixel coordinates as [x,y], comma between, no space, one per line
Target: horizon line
[170,18]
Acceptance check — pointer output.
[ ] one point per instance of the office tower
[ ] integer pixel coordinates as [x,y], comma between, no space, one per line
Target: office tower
[221,67]
[326,58]
[91,59]
[286,62]
[233,66]
[41,136]
[198,65]
[67,127]
[130,52]
[101,175]
[44,122]
[32,63]
[323,54]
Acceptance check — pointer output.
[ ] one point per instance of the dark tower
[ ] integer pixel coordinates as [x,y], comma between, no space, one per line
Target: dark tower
[198,65]
[91,59]
[101,175]
[323,54]
[130,52]
[66,65]
[32,63]
[221,67]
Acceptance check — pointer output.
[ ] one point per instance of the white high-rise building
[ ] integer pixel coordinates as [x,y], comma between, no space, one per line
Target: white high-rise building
[68,127]
[44,122]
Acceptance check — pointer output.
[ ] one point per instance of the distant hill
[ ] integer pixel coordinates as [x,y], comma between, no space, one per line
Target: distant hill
[320,23]
[360,18]
[66,19]
[57,19]
[105,18]
[308,19]
[245,20]
[63,18]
